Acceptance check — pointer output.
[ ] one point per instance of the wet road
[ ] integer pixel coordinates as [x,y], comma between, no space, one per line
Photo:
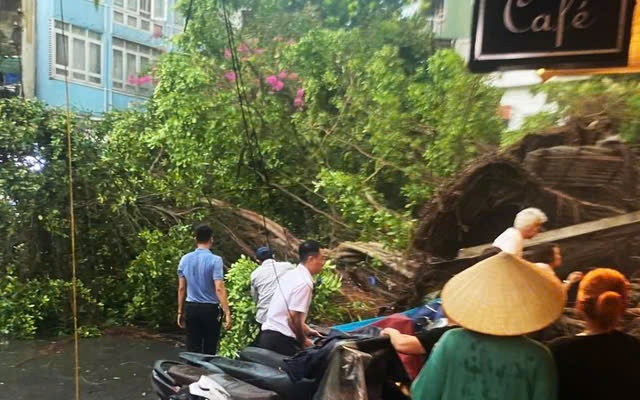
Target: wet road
[111,368]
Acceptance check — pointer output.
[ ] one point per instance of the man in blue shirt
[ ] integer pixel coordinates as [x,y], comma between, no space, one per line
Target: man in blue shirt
[200,280]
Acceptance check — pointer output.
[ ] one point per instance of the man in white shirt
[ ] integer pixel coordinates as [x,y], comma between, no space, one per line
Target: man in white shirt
[285,330]
[526,225]
[265,279]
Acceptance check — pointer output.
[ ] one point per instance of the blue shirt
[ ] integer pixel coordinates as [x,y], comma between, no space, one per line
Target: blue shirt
[200,268]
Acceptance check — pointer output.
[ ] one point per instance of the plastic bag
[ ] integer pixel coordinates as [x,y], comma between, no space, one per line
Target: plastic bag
[344,378]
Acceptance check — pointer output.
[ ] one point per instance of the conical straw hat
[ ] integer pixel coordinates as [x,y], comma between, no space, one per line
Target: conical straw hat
[503,296]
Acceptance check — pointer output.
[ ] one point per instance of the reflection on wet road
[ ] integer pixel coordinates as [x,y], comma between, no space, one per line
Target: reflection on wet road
[111,368]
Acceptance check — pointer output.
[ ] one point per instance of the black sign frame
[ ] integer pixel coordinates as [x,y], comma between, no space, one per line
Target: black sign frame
[487,33]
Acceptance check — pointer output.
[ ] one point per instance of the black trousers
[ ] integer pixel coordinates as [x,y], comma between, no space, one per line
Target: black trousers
[203,327]
[276,341]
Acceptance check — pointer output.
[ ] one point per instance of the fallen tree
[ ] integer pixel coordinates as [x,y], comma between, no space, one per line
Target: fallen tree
[580,174]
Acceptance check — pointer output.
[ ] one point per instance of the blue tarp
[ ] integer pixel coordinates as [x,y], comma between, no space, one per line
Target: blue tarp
[432,310]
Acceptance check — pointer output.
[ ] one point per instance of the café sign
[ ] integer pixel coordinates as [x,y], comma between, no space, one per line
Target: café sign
[510,34]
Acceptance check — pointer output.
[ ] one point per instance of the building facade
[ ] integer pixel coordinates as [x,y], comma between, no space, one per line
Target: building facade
[108,50]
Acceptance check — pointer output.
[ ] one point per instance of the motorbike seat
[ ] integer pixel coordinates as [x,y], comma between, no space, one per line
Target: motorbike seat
[184,374]
[263,356]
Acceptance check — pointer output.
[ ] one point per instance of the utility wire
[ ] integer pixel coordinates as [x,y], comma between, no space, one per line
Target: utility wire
[72,216]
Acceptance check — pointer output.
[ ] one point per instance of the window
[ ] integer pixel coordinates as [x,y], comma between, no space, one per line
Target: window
[131,67]
[78,49]
[437,15]
[146,15]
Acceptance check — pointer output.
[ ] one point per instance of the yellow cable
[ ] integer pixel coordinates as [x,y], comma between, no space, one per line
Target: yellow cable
[72,216]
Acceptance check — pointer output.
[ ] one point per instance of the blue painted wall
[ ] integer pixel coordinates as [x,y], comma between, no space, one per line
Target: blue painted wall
[83,13]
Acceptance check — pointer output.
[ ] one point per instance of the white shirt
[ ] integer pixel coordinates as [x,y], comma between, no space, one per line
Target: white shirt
[510,241]
[547,269]
[264,284]
[294,294]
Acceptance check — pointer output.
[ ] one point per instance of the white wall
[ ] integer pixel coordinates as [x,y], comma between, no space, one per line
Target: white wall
[518,95]
[523,103]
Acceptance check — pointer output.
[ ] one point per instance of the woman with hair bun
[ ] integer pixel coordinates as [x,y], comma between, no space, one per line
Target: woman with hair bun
[601,362]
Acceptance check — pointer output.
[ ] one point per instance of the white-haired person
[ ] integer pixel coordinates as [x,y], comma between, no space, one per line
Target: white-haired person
[526,225]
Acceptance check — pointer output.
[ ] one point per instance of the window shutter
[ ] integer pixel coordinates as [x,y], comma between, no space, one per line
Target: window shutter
[52,48]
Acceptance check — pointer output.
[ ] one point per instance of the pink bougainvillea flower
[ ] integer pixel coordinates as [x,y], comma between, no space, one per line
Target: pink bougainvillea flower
[275,83]
[299,100]
[258,51]
[132,80]
[144,79]
[293,76]
[243,48]
[227,54]
[230,76]
[282,75]
[271,79]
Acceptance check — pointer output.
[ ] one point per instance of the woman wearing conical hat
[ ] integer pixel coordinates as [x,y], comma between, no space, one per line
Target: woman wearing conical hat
[602,362]
[496,302]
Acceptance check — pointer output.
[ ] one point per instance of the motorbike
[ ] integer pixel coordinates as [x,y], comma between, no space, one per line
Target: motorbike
[366,367]
[172,380]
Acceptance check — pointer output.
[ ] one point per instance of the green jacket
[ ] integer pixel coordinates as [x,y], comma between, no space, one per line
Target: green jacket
[465,365]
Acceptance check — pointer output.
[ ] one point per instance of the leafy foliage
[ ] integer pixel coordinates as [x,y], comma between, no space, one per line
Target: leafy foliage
[43,306]
[617,97]
[243,309]
[350,119]
[152,277]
